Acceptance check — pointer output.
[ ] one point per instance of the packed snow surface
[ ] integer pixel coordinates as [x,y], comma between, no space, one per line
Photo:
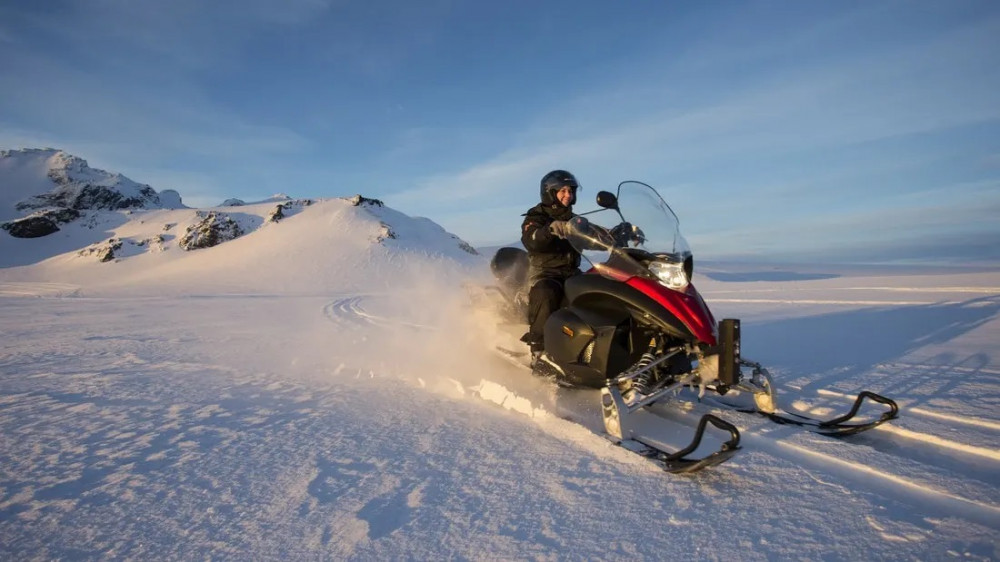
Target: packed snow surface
[318,388]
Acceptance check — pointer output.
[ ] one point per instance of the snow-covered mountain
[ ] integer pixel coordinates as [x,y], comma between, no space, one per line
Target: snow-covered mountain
[304,379]
[113,222]
[33,179]
[41,189]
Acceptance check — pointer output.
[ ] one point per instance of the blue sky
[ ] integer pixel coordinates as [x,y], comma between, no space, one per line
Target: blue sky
[864,131]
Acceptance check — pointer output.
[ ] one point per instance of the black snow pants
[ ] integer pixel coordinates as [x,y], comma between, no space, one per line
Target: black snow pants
[544,298]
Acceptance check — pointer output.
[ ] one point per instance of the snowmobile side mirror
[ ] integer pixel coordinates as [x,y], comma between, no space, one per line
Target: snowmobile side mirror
[607,200]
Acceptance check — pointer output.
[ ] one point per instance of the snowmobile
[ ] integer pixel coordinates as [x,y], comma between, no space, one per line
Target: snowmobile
[634,326]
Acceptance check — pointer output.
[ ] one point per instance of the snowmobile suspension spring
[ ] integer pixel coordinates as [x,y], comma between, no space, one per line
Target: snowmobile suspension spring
[641,384]
[635,370]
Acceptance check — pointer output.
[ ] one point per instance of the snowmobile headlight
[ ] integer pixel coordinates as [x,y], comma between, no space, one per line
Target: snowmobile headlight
[671,275]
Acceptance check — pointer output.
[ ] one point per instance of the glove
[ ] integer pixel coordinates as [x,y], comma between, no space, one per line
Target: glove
[627,232]
[559,228]
[622,233]
[638,236]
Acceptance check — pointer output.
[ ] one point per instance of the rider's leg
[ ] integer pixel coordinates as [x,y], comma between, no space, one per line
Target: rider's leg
[544,298]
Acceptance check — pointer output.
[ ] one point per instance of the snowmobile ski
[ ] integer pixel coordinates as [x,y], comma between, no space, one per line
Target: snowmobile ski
[841,426]
[677,462]
[837,427]
[618,426]
[517,358]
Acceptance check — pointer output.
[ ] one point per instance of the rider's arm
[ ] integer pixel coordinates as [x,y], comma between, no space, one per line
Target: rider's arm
[536,237]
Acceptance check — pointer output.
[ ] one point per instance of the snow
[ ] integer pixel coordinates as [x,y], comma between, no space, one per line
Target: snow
[316,389]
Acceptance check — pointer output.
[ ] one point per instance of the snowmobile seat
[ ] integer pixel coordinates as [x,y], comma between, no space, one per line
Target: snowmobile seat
[510,269]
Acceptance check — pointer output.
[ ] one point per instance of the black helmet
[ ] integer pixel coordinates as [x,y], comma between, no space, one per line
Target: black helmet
[552,182]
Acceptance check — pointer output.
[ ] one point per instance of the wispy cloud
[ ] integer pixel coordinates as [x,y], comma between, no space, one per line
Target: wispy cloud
[822,108]
[932,220]
[862,98]
[187,33]
[129,124]
[169,125]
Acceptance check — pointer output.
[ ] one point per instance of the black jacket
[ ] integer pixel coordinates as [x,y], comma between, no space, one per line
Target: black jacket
[548,255]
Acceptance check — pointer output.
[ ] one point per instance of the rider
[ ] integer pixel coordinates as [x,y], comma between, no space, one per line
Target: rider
[551,258]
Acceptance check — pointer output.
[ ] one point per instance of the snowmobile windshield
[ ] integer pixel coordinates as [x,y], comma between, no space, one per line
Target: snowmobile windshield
[641,237]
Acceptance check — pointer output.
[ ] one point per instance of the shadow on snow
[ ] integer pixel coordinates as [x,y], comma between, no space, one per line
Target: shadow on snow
[830,348]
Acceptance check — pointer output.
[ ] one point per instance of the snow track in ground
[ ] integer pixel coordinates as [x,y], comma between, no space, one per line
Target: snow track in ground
[923,471]
[956,419]
[923,437]
[351,310]
[896,479]
[14,289]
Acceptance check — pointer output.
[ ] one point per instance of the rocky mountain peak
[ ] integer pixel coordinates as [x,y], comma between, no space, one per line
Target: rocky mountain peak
[42,184]
[73,184]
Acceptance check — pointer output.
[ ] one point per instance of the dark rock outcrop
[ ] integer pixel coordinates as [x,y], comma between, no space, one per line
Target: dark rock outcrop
[466,247]
[359,201]
[104,251]
[89,197]
[213,229]
[33,226]
[279,211]
[385,233]
[39,224]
